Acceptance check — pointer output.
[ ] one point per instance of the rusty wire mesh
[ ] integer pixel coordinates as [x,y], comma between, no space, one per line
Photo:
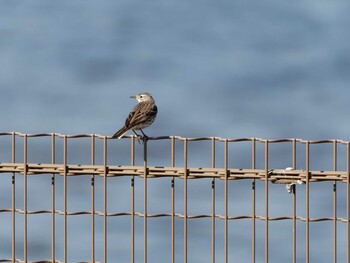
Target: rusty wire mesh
[257,170]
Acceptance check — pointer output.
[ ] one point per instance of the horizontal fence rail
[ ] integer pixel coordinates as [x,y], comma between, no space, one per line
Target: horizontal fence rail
[275,176]
[175,174]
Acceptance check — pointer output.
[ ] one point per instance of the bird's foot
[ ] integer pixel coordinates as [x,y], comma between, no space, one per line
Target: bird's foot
[139,139]
[144,138]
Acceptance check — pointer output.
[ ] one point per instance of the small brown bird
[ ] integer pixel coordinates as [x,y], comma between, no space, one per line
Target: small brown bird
[141,116]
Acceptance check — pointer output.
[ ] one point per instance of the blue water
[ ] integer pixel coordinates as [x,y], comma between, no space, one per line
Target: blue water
[266,69]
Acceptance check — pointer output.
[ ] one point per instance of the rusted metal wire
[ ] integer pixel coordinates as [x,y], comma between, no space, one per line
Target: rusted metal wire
[225,174]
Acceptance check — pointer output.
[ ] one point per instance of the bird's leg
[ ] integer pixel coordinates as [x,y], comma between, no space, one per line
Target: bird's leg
[145,137]
[137,136]
[136,133]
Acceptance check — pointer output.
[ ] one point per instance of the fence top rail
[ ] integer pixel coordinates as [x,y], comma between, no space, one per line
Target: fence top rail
[180,138]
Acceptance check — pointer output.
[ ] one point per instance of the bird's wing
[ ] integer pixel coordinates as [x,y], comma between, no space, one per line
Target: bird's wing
[153,110]
[139,112]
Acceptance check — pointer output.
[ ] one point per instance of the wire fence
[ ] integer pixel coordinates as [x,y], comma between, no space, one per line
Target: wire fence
[219,172]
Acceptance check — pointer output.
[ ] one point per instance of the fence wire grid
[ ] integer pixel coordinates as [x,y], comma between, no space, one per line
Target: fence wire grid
[60,199]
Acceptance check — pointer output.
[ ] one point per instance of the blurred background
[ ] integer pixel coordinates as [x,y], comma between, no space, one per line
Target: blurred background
[267,69]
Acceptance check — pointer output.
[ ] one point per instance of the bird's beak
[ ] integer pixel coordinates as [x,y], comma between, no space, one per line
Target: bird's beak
[133,97]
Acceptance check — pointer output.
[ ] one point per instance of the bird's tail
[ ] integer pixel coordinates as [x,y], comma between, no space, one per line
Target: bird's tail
[120,133]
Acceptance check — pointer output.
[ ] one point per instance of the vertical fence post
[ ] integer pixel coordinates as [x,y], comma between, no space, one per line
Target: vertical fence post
[294,205]
[335,203]
[53,200]
[307,163]
[266,201]
[253,199]
[13,212]
[145,172]
[65,198]
[348,202]
[25,251]
[105,173]
[93,200]
[226,202]
[172,201]
[132,139]
[185,200]
[213,202]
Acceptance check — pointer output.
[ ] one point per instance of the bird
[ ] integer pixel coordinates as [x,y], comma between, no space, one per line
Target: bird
[141,116]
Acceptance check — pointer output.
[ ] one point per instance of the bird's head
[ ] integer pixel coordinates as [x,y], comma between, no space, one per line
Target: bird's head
[143,96]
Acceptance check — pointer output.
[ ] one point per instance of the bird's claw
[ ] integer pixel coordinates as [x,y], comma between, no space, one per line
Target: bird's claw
[141,139]
[138,138]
